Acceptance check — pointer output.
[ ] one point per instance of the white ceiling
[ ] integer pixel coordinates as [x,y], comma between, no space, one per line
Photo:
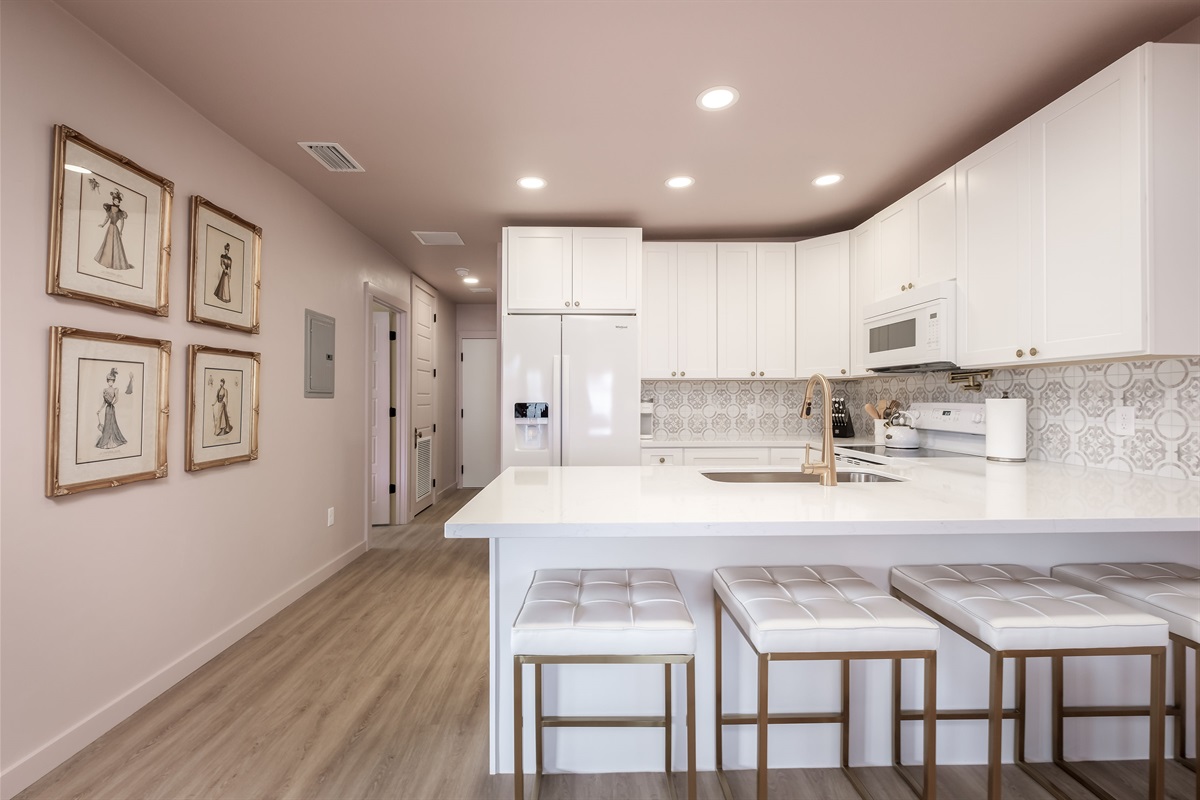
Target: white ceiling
[446,103]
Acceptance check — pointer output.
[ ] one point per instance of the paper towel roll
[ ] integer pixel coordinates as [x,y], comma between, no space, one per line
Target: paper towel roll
[1005,438]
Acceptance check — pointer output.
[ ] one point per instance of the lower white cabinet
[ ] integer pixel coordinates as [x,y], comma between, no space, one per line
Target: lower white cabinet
[725,456]
[786,456]
[662,457]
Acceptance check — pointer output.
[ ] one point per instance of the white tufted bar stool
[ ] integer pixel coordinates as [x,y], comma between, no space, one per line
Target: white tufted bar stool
[1170,591]
[1011,611]
[602,616]
[824,613]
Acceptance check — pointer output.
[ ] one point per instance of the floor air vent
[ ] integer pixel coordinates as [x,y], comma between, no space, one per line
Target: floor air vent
[332,156]
[424,467]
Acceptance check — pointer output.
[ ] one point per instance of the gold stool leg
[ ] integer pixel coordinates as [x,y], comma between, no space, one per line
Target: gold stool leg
[518,735]
[930,725]
[538,731]
[667,726]
[691,727]
[763,663]
[995,725]
[1158,722]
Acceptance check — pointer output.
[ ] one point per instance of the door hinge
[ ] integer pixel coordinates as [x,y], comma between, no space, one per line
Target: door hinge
[392,335]
[391,412]
[435,372]
[435,427]
[435,317]
[392,489]
[461,414]
[433,483]
[460,356]
[462,469]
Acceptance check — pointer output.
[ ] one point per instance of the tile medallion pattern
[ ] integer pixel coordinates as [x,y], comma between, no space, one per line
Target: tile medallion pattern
[1070,410]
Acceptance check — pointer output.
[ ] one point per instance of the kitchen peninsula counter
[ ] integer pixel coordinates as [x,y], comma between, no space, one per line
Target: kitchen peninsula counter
[946,510]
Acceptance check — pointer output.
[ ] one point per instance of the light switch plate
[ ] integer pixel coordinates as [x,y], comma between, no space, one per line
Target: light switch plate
[329,517]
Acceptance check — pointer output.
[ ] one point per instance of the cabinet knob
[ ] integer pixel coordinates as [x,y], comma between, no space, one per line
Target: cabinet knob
[909,286]
[1033,351]
[567,304]
[751,373]
[1020,354]
[577,304]
[662,459]
[843,372]
[760,374]
[682,374]
[672,374]
[902,287]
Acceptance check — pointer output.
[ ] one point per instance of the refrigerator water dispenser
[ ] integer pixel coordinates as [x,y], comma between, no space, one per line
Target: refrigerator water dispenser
[532,421]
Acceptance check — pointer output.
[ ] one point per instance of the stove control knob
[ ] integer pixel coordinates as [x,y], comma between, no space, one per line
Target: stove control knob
[977,418]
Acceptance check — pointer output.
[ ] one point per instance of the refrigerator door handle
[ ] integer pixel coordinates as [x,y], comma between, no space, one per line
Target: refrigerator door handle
[565,417]
[557,416]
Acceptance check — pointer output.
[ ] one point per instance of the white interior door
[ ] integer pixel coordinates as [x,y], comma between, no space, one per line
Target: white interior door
[423,406]
[480,422]
[381,405]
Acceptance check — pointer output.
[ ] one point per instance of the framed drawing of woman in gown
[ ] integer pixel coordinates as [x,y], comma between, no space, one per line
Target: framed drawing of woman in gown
[224,280]
[108,410]
[110,227]
[222,410]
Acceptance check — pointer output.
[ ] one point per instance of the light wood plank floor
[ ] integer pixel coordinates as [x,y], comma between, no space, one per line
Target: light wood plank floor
[348,695]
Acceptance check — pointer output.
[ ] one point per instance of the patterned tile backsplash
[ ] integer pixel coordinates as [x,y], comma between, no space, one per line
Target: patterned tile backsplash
[1070,410]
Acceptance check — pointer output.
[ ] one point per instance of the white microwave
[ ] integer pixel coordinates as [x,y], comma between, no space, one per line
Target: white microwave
[912,332]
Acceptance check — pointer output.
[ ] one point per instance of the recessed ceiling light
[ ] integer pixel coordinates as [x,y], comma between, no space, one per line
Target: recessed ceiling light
[531,182]
[717,97]
[470,280]
[680,181]
[73,168]
[828,180]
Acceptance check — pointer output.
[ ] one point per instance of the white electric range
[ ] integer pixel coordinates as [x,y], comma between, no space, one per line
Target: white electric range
[945,430]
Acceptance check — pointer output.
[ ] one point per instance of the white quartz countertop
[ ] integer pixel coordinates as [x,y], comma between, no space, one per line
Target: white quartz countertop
[940,495]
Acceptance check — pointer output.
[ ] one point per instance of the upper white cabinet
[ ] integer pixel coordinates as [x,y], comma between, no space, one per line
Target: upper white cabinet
[862,288]
[914,239]
[679,311]
[1080,237]
[823,291]
[572,270]
[756,310]
[993,251]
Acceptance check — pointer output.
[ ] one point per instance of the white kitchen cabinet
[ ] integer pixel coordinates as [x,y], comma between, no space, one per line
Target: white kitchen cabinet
[862,289]
[572,270]
[679,312]
[756,310]
[1112,193]
[726,456]
[823,291]
[662,457]
[916,238]
[787,456]
[993,251]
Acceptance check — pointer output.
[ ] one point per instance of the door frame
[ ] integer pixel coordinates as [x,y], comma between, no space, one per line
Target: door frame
[401,382]
[458,396]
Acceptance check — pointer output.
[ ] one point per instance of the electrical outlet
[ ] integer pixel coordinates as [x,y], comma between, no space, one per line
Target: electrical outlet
[1122,420]
[329,517]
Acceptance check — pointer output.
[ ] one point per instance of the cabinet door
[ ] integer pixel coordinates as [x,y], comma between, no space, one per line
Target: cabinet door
[538,269]
[658,317]
[993,251]
[934,233]
[823,291]
[1087,217]
[787,456]
[775,310]
[697,310]
[736,298]
[863,251]
[894,269]
[605,269]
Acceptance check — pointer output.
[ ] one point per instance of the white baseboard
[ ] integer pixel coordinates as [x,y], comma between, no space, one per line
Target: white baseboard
[29,769]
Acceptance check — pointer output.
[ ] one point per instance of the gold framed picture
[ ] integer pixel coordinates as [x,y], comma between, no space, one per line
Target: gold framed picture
[224,280]
[107,410]
[110,227]
[222,412]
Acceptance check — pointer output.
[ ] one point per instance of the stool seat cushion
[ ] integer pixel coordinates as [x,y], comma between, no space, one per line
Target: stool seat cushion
[1170,591]
[825,609]
[1011,607]
[603,612]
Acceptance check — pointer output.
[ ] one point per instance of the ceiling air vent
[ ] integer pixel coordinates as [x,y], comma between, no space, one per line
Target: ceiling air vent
[437,237]
[479,289]
[332,156]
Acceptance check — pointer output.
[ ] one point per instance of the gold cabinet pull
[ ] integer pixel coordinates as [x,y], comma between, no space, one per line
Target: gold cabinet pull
[1020,354]
[577,304]
[662,459]
[1033,351]
[672,374]
[843,372]
[682,374]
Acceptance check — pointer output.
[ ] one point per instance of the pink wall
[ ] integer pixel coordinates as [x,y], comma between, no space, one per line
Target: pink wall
[110,596]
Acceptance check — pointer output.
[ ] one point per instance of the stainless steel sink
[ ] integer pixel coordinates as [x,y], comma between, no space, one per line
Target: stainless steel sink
[843,476]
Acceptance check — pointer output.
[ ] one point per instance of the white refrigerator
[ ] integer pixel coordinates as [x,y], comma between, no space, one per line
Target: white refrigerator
[570,391]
